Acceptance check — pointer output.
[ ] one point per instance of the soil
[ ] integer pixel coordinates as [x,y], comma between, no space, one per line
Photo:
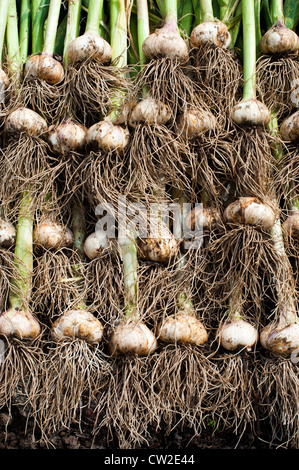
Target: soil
[19,433]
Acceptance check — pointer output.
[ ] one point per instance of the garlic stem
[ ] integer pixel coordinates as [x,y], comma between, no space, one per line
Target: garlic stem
[4,6]
[249,50]
[72,28]
[206,9]
[25,16]
[12,38]
[277,12]
[143,29]
[21,285]
[95,8]
[128,248]
[52,25]
[118,41]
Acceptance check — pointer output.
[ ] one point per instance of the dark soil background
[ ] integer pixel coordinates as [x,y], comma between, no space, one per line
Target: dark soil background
[17,433]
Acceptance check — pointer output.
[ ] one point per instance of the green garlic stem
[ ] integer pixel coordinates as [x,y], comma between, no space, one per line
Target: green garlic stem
[4,6]
[143,27]
[249,49]
[52,25]
[21,285]
[25,22]
[277,11]
[12,38]
[128,248]
[118,41]
[94,15]
[39,11]
[73,24]
[206,8]
[171,15]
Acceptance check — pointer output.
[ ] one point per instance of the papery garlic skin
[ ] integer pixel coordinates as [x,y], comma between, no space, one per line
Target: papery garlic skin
[52,235]
[78,324]
[25,120]
[182,328]
[19,323]
[238,334]
[250,211]
[211,32]
[251,113]
[278,40]
[107,136]
[89,46]
[67,137]
[44,67]
[132,338]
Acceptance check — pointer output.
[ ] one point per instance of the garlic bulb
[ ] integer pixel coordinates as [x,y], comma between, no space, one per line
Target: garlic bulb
[194,122]
[79,324]
[291,226]
[202,217]
[66,137]
[280,339]
[213,32]
[44,67]
[51,235]
[159,246]
[25,120]
[238,334]
[7,234]
[289,129]
[107,136]
[182,328]
[89,45]
[250,113]
[4,80]
[250,211]
[130,338]
[19,323]
[95,243]
[149,111]
[166,42]
[279,39]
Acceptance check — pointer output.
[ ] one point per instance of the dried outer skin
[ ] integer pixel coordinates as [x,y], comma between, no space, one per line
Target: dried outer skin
[182,328]
[205,217]
[51,235]
[94,244]
[67,136]
[159,248]
[44,67]
[107,136]
[168,43]
[4,80]
[149,111]
[250,211]
[289,129]
[251,113]
[89,45]
[237,334]
[7,234]
[25,120]
[213,32]
[79,324]
[130,338]
[194,122]
[279,39]
[19,323]
[291,226]
[280,341]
